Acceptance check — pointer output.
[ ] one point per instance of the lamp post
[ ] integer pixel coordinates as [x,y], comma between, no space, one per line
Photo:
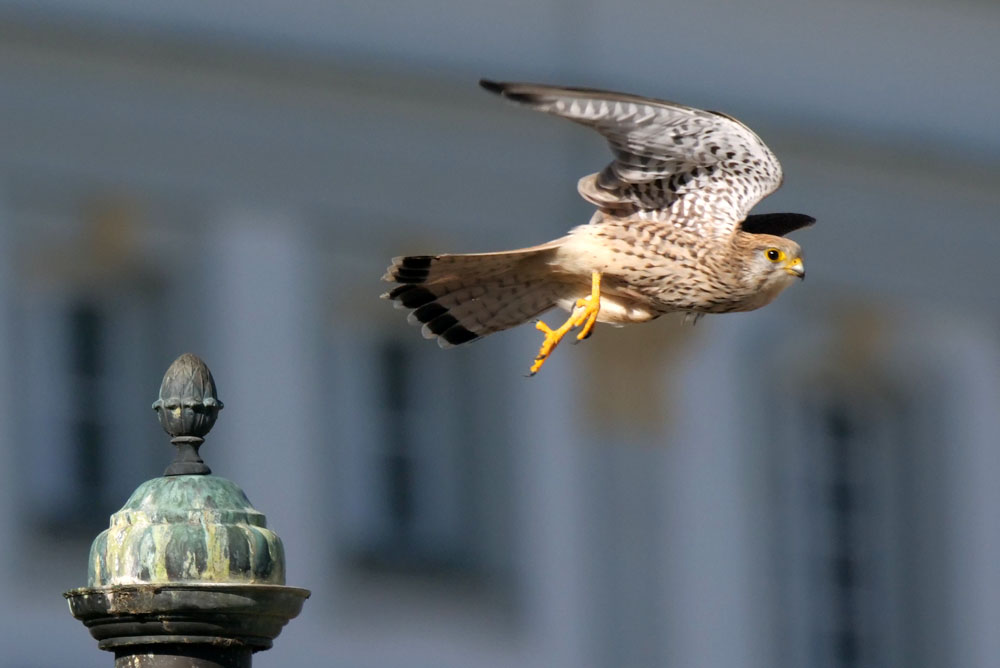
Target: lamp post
[187,574]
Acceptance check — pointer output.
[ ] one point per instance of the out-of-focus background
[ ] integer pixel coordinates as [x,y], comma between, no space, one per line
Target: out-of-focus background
[811,485]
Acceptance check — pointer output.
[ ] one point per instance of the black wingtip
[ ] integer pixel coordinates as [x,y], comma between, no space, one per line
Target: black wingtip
[778,224]
[492,86]
[507,91]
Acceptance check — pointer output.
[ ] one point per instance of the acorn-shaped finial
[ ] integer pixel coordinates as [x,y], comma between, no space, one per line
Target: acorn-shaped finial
[187,409]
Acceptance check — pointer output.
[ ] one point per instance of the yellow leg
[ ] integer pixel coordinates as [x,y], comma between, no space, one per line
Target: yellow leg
[584,314]
[592,307]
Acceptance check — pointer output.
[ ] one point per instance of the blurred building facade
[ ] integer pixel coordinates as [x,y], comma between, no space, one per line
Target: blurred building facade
[810,485]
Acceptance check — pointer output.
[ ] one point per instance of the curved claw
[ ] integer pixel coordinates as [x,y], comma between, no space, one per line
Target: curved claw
[590,312]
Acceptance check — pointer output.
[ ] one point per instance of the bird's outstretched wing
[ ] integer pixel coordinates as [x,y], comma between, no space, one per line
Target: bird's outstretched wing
[696,168]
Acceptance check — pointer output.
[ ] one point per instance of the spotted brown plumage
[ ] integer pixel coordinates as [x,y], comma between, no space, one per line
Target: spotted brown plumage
[672,231]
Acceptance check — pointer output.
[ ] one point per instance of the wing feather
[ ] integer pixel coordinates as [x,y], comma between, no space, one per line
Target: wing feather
[686,165]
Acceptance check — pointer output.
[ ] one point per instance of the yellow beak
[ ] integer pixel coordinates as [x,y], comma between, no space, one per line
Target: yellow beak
[796,268]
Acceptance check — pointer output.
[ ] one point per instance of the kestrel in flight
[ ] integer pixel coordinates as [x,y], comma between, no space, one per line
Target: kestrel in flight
[671,231]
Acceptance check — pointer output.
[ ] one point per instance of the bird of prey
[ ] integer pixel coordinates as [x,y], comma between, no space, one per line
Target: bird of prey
[672,231]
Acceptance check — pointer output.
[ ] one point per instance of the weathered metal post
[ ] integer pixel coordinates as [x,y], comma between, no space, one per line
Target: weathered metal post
[187,574]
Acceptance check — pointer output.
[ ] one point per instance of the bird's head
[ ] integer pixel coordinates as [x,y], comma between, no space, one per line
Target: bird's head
[774,262]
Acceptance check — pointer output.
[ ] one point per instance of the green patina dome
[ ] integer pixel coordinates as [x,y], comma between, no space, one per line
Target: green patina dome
[187,529]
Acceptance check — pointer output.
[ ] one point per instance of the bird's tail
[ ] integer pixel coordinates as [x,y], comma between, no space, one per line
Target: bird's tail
[460,298]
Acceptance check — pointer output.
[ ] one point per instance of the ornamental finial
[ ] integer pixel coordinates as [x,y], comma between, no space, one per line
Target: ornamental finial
[187,408]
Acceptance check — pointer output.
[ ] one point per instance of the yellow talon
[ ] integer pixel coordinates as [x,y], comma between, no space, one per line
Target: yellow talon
[552,339]
[585,314]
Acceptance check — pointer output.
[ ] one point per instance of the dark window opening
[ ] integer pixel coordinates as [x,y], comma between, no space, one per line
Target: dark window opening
[421,468]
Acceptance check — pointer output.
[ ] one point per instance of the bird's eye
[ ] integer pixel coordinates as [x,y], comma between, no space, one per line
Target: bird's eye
[775,255]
